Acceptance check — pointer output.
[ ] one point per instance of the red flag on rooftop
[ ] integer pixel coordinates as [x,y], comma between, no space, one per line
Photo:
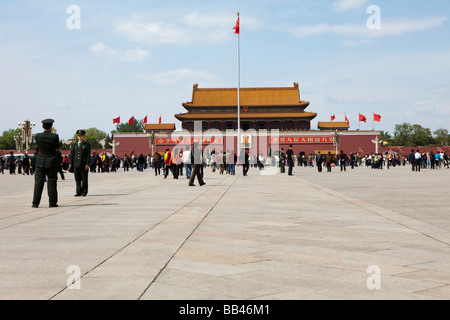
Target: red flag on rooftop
[362,118]
[333,117]
[145,120]
[131,121]
[376,117]
[159,119]
[116,120]
[236,28]
[346,120]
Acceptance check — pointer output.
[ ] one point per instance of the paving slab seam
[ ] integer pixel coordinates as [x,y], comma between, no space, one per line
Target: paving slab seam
[187,238]
[434,288]
[370,207]
[134,240]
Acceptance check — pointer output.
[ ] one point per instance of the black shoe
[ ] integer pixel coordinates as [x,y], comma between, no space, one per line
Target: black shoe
[202,184]
[191,185]
[53,206]
[35,206]
[77,195]
[84,195]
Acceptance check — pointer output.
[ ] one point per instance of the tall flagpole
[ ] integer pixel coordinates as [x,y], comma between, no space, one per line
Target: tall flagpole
[359,121]
[373,122]
[238,89]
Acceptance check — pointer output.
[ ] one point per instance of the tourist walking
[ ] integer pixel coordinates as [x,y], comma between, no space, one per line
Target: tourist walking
[157,163]
[418,159]
[319,161]
[11,163]
[328,161]
[343,159]
[412,160]
[187,161]
[197,164]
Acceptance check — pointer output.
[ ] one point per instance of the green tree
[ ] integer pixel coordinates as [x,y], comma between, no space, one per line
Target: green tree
[403,135]
[8,140]
[95,137]
[421,136]
[136,126]
[441,137]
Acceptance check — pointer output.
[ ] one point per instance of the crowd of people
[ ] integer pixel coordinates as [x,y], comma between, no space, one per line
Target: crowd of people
[225,162]
[48,161]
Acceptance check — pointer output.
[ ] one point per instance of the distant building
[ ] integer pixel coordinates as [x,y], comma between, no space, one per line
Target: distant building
[160,127]
[333,126]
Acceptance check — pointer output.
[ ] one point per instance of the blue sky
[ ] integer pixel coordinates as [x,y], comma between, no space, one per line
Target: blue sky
[138,58]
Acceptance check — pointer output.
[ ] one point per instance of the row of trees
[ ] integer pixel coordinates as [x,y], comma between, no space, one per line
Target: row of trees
[97,138]
[414,135]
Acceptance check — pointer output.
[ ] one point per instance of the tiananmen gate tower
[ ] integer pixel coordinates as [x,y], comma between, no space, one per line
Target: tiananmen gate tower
[260,108]
[270,118]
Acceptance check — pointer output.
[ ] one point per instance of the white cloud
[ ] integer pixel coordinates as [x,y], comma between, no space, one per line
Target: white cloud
[170,77]
[131,55]
[98,47]
[391,27]
[195,27]
[346,5]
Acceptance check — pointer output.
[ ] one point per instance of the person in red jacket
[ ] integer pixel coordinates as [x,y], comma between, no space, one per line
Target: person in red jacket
[168,161]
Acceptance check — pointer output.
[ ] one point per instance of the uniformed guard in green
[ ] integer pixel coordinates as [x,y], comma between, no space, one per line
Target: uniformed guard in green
[282,160]
[46,164]
[79,160]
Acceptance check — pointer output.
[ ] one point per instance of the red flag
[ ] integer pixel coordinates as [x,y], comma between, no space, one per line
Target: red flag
[376,117]
[333,117]
[116,120]
[362,118]
[131,121]
[145,120]
[159,119]
[346,120]
[236,28]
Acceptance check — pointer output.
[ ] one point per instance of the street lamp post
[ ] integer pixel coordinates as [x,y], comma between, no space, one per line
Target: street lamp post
[152,142]
[27,129]
[19,142]
[337,141]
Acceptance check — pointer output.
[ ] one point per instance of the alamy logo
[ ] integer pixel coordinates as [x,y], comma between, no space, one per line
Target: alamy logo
[374,21]
[73,22]
[374,280]
[74,281]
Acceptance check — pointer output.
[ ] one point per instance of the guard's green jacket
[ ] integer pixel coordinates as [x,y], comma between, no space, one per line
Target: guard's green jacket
[80,155]
[282,157]
[47,143]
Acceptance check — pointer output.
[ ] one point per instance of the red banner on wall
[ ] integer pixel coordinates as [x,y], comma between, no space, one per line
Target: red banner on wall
[302,139]
[204,140]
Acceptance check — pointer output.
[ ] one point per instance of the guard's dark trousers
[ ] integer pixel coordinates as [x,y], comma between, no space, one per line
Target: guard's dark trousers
[52,177]
[81,179]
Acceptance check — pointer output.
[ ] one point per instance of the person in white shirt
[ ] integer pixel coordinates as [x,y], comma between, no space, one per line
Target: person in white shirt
[187,161]
[418,157]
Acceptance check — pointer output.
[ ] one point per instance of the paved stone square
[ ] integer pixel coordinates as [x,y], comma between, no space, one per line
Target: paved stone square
[359,234]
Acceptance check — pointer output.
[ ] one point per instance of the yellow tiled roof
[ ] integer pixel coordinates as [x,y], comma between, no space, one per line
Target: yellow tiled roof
[159,126]
[277,96]
[332,124]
